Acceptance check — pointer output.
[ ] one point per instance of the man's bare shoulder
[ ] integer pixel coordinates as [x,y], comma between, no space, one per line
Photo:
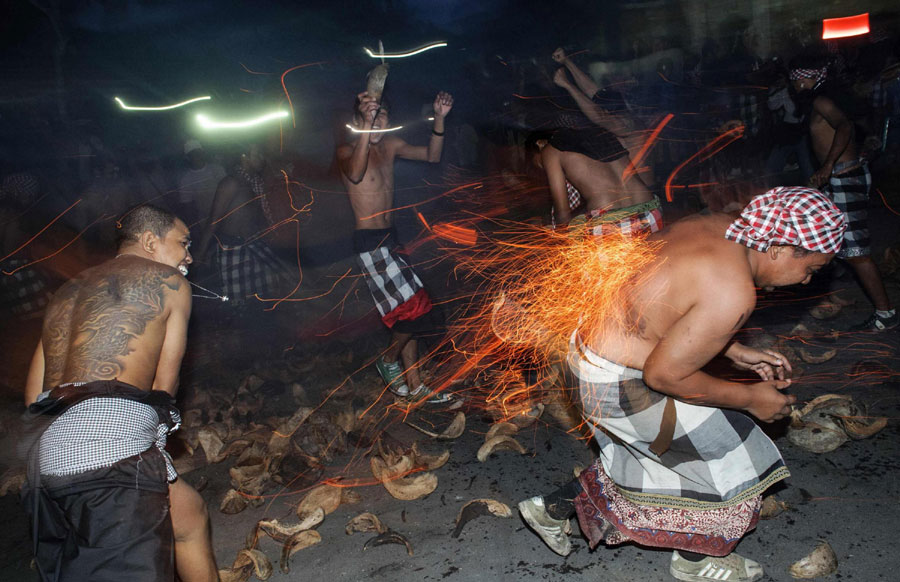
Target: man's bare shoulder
[344,151]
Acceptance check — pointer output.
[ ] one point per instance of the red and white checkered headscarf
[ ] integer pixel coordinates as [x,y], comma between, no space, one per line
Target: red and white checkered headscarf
[794,216]
[818,75]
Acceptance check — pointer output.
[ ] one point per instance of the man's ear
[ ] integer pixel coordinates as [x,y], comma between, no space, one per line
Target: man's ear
[149,242]
[775,251]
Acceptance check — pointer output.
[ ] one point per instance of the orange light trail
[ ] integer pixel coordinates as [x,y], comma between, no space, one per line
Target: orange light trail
[709,150]
[49,224]
[642,153]
[287,93]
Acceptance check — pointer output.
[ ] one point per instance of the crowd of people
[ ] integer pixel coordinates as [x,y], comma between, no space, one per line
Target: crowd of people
[682,463]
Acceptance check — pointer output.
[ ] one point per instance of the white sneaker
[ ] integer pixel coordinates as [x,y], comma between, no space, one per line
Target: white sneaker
[730,568]
[554,532]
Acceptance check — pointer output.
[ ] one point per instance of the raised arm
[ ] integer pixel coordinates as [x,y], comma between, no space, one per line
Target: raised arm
[585,83]
[674,365]
[175,341]
[598,116]
[443,102]
[354,160]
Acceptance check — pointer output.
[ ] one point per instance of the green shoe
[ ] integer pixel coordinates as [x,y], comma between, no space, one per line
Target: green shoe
[392,374]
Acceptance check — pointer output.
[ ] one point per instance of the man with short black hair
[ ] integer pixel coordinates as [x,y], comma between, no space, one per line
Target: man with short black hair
[103,496]
[682,465]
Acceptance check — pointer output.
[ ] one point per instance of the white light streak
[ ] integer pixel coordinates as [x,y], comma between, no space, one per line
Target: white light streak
[166,108]
[354,130]
[207,123]
[384,55]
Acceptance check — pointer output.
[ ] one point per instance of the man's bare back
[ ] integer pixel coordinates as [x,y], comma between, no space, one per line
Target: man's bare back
[600,183]
[110,322]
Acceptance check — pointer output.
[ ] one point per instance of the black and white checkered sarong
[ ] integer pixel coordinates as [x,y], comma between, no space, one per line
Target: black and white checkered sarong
[247,269]
[24,290]
[850,192]
[391,280]
[717,457]
[100,431]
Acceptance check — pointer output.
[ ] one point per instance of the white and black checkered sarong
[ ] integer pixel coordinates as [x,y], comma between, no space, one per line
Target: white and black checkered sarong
[850,192]
[101,431]
[717,456]
[247,268]
[391,280]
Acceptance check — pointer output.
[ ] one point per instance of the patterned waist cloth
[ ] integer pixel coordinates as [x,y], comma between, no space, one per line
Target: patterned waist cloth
[702,494]
[103,428]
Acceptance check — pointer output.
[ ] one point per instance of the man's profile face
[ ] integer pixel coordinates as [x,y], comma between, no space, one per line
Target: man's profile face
[173,248]
[790,268]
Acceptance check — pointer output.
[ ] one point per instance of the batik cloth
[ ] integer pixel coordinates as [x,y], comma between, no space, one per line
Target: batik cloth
[792,215]
[702,493]
[247,268]
[849,187]
[108,523]
[399,294]
[24,291]
[634,220]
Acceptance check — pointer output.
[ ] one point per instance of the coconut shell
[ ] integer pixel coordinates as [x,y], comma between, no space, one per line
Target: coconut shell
[528,417]
[12,480]
[864,427]
[326,497]
[295,543]
[501,429]
[478,507]
[365,522]
[772,507]
[814,357]
[233,502]
[411,488]
[261,566]
[429,462]
[822,561]
[454,430]
[499,443]
[375,81]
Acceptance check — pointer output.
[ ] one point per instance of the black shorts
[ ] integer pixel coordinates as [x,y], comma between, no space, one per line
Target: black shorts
[106,525]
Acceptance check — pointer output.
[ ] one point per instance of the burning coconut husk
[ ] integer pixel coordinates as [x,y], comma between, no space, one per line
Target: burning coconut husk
[281,533]
[327,498]
[772,507]
[401,477]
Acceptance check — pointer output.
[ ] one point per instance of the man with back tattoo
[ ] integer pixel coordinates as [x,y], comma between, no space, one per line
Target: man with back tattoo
[103,497]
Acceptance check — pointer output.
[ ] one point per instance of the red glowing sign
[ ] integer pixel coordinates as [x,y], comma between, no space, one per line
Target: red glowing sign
[847,26]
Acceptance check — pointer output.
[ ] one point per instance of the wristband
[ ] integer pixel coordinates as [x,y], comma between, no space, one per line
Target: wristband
[437,133]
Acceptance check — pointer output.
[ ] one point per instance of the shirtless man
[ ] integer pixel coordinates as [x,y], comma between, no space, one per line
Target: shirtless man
[682,466]
[845,177]
[590,164]
[239,215]
[104,377]
[367,170]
